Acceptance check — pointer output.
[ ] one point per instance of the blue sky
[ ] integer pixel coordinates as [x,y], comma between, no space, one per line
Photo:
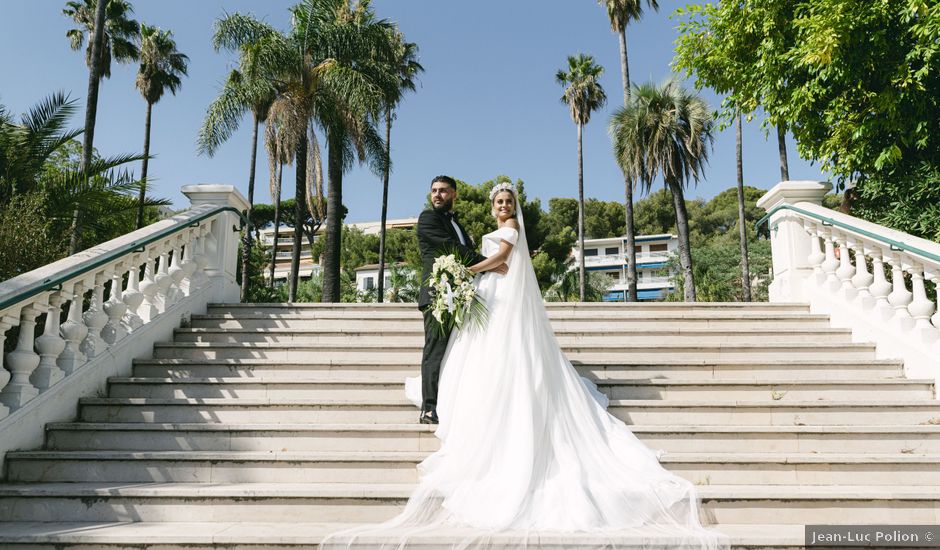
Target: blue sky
[486,105]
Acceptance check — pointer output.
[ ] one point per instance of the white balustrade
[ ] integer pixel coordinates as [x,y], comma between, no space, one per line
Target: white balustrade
[869,278]
[113,313]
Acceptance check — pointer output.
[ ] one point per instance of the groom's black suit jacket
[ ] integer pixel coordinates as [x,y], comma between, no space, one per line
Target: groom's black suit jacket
[437,236]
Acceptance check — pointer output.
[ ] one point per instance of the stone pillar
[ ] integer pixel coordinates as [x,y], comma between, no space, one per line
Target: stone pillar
[790,244]
[223,261]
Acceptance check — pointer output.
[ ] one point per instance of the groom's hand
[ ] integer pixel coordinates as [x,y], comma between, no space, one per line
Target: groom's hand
[502,269]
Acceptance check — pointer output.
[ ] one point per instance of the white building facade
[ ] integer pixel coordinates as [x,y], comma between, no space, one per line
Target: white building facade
[608,256]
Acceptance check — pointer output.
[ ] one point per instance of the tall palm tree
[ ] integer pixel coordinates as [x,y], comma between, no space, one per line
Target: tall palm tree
[665,130]
[162,67]
[583,95]
[348,102]
[117,42]
[238,95]
[742,224]
[621,13]
[406,67]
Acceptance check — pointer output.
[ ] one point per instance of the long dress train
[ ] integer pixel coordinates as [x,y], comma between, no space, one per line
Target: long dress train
[528,449]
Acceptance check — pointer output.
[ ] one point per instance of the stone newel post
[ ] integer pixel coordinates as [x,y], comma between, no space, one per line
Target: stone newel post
[222,250]
[790,245]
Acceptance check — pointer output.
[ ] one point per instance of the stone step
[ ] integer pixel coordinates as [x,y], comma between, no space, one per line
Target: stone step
[621,368]
[395,411]
[350,502]
[415,336]
[392,387]
[401,467]
[304,534]
[551,307]
[594,325]
[675,351]
[201,436]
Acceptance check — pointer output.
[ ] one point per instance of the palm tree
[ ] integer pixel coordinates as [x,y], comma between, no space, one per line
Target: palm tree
[621,13]
[583,95]
[117,42]
[665,130]
[742,224]
[238,95]
[406,67]
[161,69]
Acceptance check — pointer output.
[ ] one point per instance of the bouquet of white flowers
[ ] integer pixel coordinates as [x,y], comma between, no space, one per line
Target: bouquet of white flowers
[454,300]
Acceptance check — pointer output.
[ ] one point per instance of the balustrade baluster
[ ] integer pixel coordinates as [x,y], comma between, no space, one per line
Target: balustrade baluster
[95,319]
[22,361]
[188,265]
[846,270]
[831,263]
[149,288]
[199,277]
[50,345]
[115,308]
[73,330]
[921,307]
[163,281]
[862,278]
[132,296]
[816,256]
[900,296]
[6,323]
[934,275]
[881,288]
[177,274]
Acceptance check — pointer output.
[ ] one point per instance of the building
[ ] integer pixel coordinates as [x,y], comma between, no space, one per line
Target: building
[367,276]
[285,244]
[607,256]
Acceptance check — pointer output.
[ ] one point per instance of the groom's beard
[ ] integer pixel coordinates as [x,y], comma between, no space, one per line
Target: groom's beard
[445,206]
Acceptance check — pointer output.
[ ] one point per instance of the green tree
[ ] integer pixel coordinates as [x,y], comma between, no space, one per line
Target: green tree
[665,131]
[27,235]
[405,67]
[621,13]
[115,41]
[161,69]
[583,95]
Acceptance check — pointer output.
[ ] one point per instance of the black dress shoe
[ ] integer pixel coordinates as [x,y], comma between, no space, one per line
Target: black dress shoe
[428,417]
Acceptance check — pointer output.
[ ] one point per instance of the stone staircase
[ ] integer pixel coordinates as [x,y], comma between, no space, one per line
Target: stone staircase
[266,426]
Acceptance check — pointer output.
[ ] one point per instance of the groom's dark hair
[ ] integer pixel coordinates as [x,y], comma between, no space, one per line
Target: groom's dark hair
[445,179]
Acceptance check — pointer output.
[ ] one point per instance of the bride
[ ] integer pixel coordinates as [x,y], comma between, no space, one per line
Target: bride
[527,445]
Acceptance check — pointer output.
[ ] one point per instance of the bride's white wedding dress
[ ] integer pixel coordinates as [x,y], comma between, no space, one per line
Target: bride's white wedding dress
[527,445]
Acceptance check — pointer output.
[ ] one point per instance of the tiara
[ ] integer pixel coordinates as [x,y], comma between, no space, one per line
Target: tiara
[498,188]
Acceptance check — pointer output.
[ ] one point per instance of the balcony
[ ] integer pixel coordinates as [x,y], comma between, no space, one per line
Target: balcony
[612,260]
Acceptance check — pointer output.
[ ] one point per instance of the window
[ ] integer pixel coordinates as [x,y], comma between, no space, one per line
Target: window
[368,283]
[614,275]
[611,251]
[590,252]
[659,247]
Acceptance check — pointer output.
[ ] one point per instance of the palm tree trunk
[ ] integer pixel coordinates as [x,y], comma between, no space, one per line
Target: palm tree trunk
[782,148]
[143,168]
[246,247]
[685,251]
[580,217]
[629,225]
[277,220]
[388,156]
[334,221]
[300,194]
[91,113]
[742,223]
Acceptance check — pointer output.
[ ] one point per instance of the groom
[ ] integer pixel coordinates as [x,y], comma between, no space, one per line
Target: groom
[439,233]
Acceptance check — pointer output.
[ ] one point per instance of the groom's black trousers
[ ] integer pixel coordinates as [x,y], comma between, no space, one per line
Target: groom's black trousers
[435,344]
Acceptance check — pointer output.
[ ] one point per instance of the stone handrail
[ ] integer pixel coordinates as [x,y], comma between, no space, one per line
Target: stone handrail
[866,277]
[108,304]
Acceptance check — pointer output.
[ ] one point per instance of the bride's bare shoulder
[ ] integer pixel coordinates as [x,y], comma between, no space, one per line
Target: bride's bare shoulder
[511,222]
